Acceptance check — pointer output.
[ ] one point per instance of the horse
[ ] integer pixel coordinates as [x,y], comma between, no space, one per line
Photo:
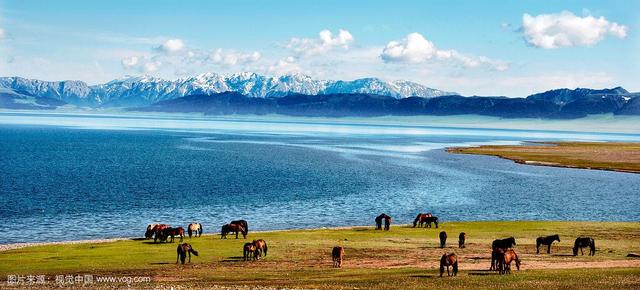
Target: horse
[337,255]
[500,244]
[387,222]
[149,232]
[226,229]
[546,241]
[158,230]
[582,242]
[429,220]
[172,232]
[420,219]
[509,256]
[443,239]
[261,247]
[249,251]
[195,228]
[461,239]
[183,250]
[242,223]
[449,260]
[497,258]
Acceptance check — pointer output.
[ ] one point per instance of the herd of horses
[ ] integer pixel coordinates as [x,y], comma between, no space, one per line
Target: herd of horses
[503,253]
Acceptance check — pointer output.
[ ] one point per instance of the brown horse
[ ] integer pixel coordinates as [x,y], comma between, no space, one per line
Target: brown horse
[505,263]
[337,255]
[195,228]
[461,240]
[449,260]
[183,250]
[498,247]
[243,223]
[421,219]
[261,248]
[249,251]
[583,242]
[172,232]
[546,241]
[158,230]
[443,239]
[226,229]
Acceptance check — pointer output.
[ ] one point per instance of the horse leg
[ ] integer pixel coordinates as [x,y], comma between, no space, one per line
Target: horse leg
[581,252]
[236,235]
[549,249]
[448,272]
[537,248]
[181,237]
[189,256]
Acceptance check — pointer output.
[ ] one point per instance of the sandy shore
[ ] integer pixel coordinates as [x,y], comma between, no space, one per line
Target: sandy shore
[7,247]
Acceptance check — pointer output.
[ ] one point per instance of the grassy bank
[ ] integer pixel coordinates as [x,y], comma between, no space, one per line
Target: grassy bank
[616,156]
[403,257]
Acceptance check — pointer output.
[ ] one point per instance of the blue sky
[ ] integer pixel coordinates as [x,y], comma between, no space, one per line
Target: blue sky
[473,47]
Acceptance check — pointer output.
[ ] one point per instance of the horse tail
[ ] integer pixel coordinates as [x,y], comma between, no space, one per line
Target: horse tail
[192,251]
[201,229]
[455,267]
[592,247]
[517,262]
[442,262]
[265,249]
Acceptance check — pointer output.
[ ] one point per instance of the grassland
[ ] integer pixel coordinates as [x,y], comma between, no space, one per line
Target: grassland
[403,258]
[615,156]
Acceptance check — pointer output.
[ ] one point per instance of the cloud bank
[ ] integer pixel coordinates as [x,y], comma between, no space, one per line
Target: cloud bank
[321,45]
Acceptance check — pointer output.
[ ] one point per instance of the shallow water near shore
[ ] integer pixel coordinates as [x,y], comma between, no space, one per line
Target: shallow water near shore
[70,177]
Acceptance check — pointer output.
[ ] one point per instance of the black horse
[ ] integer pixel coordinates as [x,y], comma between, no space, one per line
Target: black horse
[387,222]
[183,250]
[443,239]
[546,241]
[461,240]
[583,242]
[431,219]
[498,248]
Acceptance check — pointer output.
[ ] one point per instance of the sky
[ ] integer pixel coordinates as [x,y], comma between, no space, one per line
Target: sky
[511,48]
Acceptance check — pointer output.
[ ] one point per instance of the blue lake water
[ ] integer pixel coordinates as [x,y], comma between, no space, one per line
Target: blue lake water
[69,177]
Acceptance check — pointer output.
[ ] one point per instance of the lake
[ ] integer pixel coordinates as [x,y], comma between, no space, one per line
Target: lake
[86,176]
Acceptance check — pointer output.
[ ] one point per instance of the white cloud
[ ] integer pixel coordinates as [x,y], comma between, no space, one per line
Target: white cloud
[566,29]
[142,64]
[233,58]
[415,49]
[326,42]
[284,66]
[172,46]
[130,62]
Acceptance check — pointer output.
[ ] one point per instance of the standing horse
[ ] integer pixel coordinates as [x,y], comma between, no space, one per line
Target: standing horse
[172,232]
[583,242]
[420,219]
[158,230]
[461,239]
[149,232]
[195,228]
[498,247]
[443,239]
[183,250]
[337,255]
[387,221]
[429,220]
[249,251]
[242,223]
[226,229]
[505,263]
[261,248]
[449,260]
[546,241]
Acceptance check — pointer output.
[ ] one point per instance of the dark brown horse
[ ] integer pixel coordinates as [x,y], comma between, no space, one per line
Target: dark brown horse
[449,260]
[195,229]
[461,240]
[387,222]
[172,232]
[429,220]
[498,248]
[261,248]
[157,230]
[337,255]
[546,241]
[148,234]
[243,223]
[443,239]
[183,250]
[226,229]
[249,251]
[506,258]
[421,219]
[583,242]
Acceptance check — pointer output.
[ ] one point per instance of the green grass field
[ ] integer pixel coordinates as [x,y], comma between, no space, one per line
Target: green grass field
[404,257]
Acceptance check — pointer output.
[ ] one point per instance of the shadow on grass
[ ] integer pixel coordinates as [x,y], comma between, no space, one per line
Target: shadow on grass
[561,255]
[233,259]
[483,272]
[161,263]
[423,276]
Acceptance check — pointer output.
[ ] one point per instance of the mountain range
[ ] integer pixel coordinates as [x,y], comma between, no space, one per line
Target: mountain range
[250,93]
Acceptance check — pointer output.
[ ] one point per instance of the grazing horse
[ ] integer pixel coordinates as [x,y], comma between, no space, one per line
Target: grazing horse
[387,222]
[149,232]
[249,251]
[431,219]
[158,230]
[546,241]
[183,250]
[172,232]
[261,248]
[461,239]
[449,260]
[242,223]
[498,247]
[195,228]
[582,242]
[505,263]
[443,239]
[420,219]
[226,229]
[337,255]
